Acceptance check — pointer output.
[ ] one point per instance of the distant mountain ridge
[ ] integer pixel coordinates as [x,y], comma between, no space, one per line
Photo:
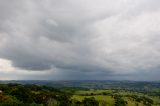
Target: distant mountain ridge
[95,84]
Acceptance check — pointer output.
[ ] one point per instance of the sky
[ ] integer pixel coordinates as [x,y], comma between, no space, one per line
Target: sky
[80,40]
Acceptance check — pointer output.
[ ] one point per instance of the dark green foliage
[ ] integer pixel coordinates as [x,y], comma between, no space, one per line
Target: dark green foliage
[90,102]
[23,94]
[119,101]
[31,95]
[36,95]
[76,103]
[85,102]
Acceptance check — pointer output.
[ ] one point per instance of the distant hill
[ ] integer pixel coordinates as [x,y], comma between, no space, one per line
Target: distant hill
[95,84]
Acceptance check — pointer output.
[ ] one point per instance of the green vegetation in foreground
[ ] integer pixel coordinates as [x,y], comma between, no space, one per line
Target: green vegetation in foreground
[116,97]
[108,100]
[34,95]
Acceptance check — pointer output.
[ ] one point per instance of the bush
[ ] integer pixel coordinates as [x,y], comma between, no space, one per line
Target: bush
[90,102]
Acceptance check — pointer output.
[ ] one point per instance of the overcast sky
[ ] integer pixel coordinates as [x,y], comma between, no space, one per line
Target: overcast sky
[80,39]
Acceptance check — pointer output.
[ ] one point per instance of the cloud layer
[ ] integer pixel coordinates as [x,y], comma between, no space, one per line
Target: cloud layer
[82,39]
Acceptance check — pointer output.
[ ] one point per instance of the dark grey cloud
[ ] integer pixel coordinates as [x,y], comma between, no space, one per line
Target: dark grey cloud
[88,39]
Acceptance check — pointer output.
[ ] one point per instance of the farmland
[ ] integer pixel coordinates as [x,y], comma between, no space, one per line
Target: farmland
[131,98]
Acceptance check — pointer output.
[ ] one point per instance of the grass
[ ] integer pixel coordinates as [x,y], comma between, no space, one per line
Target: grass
[93,91]
[108,99]
[97,94]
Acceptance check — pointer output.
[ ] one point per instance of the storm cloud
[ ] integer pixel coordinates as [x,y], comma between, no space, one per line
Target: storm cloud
[79,39]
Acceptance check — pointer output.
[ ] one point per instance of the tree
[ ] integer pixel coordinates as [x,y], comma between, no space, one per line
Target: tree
[119,101]
[90,102]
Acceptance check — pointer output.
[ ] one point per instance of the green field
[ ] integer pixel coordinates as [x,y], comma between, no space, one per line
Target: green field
[108,99]
[107,96]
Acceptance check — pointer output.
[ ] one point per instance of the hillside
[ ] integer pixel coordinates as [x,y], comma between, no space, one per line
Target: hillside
[116,94]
